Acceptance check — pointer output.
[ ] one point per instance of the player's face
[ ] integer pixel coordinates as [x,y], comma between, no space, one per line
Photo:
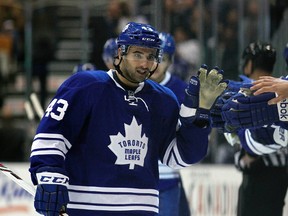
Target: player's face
[159,74]
[138,63]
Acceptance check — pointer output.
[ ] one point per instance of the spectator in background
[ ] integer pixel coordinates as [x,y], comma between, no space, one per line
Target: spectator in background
[188,50]
[277,14]
[223,47]
[43,46]
[118,14]
[42,55]
[250,21]
[13,140]
[13,12]
[6,50]
[230,59]
[127,16]
[178,13]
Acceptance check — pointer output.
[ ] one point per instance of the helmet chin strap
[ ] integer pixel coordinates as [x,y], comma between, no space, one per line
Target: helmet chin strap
[152,72]
[117,67]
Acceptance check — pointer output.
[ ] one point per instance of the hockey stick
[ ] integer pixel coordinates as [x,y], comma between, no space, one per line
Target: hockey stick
[36,104]
[29,110]
[33,107]
[19,181]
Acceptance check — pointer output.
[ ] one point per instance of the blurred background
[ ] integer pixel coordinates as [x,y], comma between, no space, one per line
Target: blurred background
[42,40]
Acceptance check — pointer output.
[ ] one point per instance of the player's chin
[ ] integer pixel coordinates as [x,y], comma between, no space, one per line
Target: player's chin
[141,77]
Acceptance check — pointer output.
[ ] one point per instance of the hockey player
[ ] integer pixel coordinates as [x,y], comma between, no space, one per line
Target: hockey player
[109,52]
[270,108]
[170,185]
[102,134]
[271,84]
[261,192]
[172,197]
[84,67]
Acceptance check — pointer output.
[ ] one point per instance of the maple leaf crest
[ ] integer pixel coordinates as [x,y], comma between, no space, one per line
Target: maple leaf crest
[130,148]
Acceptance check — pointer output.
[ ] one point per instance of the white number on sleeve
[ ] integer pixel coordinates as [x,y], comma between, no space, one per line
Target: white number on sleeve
[62,106]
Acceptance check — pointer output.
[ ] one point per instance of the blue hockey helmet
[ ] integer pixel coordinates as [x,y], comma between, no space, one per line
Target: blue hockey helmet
[83,67]
[286,54]
[168,43]
[109,50]
[138,34]
[263,55]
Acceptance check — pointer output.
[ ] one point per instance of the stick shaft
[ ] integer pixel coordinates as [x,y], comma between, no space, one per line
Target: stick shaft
[18,180]
[37,105]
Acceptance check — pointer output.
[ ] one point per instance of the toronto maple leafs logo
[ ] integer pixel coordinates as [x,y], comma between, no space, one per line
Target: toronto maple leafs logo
[130,148]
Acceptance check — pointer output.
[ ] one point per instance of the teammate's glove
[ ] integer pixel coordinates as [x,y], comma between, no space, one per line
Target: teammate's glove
[269,135]
[201,93]
[263,140]
[236,85]
[216,111]
[51,195]
[244,111]
[217,120]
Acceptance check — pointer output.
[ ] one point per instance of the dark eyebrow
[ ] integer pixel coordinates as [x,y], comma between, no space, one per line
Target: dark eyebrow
[141,52]
[136,51]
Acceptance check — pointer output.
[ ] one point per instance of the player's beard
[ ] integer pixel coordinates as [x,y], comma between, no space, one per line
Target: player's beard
[133,73]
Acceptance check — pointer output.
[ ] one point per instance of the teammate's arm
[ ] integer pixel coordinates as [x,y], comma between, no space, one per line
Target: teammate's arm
[271,84]
[242,111]
[263,140]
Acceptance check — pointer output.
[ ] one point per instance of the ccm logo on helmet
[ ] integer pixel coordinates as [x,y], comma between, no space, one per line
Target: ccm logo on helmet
[148,39]
[53,180]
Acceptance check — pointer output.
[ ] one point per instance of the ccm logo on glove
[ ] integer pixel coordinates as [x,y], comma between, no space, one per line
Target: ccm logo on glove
[52,178]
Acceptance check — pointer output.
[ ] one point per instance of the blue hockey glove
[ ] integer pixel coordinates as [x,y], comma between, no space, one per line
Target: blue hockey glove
[263,140]
[269,135]
[217,120]
[244,111]
[245,79]
[216,111]
[201,93]
[236,85]
[51,195]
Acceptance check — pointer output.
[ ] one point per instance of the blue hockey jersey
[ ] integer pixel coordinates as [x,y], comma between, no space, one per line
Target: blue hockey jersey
[109,140]
[168,176]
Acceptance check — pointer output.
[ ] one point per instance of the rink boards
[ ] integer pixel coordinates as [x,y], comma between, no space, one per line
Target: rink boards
[211,190]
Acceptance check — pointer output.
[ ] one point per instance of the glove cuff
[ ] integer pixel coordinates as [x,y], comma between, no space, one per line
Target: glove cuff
[202,118]
[191,100]
[283,110]
[187,111]
[49,175]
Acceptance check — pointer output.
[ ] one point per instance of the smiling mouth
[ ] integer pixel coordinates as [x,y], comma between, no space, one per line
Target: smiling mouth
[142,72]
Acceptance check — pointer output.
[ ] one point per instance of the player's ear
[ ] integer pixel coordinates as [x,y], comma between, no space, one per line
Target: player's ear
[119,53]
[247,69]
